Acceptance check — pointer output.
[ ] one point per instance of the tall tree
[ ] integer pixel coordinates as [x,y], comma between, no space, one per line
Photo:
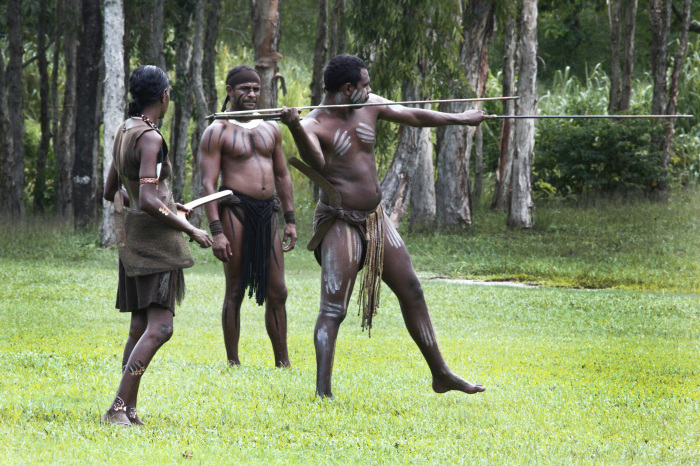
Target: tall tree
[521,205]
[88,99]
[57,35]
[266,39]
[6,146]
[320,53]
[501,195]
[157,52]
[660,21]
[44,117]
[423,186]
[65,151]
[113,109]
[628,69]
[211,37]
[671,106]
[399,37]
[14,164]
[453,187]
[181,91]
[337,29]
[621,66]
[200,105]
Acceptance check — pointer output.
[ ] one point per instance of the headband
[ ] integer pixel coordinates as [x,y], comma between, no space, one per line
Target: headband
[243,76]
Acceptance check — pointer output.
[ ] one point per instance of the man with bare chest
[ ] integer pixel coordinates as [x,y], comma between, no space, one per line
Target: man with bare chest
[351,231]
[249,157]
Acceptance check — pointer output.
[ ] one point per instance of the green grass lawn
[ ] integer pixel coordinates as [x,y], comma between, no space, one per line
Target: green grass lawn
[572,375]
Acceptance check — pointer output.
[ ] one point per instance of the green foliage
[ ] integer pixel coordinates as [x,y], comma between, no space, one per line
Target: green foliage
[398,38]
[574,157]
[596,156]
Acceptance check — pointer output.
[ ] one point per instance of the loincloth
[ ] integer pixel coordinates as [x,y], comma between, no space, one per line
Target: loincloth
[370,225]
[259,222]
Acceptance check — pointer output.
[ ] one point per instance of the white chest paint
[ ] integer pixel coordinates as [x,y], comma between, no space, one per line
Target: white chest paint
[366,133]
[341,142]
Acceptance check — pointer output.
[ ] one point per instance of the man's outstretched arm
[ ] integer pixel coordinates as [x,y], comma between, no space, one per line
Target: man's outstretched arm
[421,117]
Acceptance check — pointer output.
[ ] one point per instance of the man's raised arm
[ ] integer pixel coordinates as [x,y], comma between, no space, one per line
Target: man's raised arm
[306,141]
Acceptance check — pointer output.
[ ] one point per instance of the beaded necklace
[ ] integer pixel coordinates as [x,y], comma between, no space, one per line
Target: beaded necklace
[148,121]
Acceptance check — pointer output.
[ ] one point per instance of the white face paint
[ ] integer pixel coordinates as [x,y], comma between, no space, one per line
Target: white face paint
[365,133]
[341,142]
[354,95]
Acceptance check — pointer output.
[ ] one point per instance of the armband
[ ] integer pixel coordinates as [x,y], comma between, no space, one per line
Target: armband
[148,181]
[289,217]
[216,227]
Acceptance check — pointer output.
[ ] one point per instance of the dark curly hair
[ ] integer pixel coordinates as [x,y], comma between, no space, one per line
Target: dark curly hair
[341,69]
[146,85]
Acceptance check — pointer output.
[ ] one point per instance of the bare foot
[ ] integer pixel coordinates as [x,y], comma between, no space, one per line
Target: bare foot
[116,414]
[234,362]
[115,417]
[283,364]
[450,381]
[133,417]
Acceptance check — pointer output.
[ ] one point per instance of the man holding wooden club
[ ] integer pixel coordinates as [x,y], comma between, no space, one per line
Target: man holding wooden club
[351,231]
[248,155]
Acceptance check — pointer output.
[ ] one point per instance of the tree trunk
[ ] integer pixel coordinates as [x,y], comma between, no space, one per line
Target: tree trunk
[200,106]
[44,118]
[337,29]
[630,26]
[478,164]
[58,27]
[660,21]
[453,190]
[14,203]
[396,185]
[157,52]
[113,109]
[266,37]
[320,53]
[423,186]
[614,21]
[84,165]
[501,197]
[211,38]
[182,96]
[6,146]
[521,206]
[66,143]
[673,90]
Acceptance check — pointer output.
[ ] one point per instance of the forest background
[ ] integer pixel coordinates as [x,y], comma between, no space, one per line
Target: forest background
[65,66]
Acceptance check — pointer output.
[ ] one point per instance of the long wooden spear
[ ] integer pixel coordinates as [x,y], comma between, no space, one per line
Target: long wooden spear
[592,116]
[271,113]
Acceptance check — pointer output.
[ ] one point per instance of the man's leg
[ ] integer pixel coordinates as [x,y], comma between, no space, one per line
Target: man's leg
[400,276]
[341,252]
[275,306]
[233,295]
[158,331]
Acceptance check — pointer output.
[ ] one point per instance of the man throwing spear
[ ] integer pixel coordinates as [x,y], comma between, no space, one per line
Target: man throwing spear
[351,231]
[243,226]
